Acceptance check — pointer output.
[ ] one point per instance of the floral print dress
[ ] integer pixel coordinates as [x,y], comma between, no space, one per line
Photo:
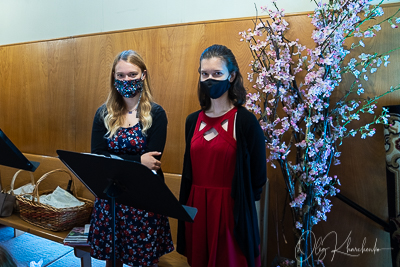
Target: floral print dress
[142,237]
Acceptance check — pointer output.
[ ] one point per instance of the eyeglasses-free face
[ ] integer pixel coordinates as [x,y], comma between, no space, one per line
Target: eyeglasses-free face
[213,68]
[128,71]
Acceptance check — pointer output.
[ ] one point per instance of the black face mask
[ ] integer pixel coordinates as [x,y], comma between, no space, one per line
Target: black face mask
[214,88]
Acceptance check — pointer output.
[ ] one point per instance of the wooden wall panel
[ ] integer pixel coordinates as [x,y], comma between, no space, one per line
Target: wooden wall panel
[37,96]
[93,57]
[49,92]
[173,72]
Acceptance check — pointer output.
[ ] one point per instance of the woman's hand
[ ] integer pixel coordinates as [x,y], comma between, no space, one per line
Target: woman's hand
[148,159]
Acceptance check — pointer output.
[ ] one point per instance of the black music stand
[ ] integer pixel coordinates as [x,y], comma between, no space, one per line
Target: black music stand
[11,156]
[132,183]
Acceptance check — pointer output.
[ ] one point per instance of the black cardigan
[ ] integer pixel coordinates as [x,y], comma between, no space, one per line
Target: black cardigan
[249,178]
[155,139]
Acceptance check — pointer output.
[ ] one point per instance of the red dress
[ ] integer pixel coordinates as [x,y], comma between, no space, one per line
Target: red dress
[209,240]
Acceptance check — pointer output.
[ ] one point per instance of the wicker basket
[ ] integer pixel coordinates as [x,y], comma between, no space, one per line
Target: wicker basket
[16,206]
[51,218]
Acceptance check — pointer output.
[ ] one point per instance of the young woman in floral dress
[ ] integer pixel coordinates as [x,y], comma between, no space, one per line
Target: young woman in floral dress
[132,127]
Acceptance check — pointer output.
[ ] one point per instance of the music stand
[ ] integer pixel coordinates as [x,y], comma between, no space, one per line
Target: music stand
[132,183]
[11,156]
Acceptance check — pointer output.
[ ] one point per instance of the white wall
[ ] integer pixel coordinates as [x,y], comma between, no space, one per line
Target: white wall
[32,20]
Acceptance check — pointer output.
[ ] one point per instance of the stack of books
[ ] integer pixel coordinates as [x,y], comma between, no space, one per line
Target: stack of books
[78,236]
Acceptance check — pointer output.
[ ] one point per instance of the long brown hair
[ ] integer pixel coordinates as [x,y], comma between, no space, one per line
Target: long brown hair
[115,103]
[237,92]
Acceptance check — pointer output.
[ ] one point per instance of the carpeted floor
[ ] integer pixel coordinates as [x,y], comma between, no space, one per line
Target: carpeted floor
[27,247]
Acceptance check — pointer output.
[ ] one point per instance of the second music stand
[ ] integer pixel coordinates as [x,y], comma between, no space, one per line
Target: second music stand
[11,156]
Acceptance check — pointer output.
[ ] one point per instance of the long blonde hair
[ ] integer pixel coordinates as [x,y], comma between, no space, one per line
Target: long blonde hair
[115,103]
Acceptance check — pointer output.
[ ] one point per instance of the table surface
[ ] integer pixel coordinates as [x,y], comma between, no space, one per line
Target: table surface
[16,222]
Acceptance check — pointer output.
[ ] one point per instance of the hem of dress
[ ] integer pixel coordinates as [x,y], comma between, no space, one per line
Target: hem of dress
[130,263]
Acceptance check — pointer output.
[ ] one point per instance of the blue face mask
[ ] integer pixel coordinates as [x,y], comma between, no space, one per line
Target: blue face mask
[129,88]
[214,88]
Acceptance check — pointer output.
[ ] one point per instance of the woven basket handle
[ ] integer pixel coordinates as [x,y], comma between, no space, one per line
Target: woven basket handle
[35,193]
[15,177]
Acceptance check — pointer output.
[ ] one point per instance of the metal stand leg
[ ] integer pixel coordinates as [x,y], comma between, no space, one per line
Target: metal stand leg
[86,260]
[113,190]
[18,232]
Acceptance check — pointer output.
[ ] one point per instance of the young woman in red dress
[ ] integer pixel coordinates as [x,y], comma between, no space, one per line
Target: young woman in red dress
[224,169]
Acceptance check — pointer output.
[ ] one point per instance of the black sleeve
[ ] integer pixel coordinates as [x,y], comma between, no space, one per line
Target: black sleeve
[157,134]
[99,130]
[256,148]
[186,179]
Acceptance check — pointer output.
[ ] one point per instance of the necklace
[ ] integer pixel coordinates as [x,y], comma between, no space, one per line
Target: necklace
[134,109]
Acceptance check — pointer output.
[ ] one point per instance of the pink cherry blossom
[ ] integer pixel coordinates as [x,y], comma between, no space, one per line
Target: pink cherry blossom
[293,85]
